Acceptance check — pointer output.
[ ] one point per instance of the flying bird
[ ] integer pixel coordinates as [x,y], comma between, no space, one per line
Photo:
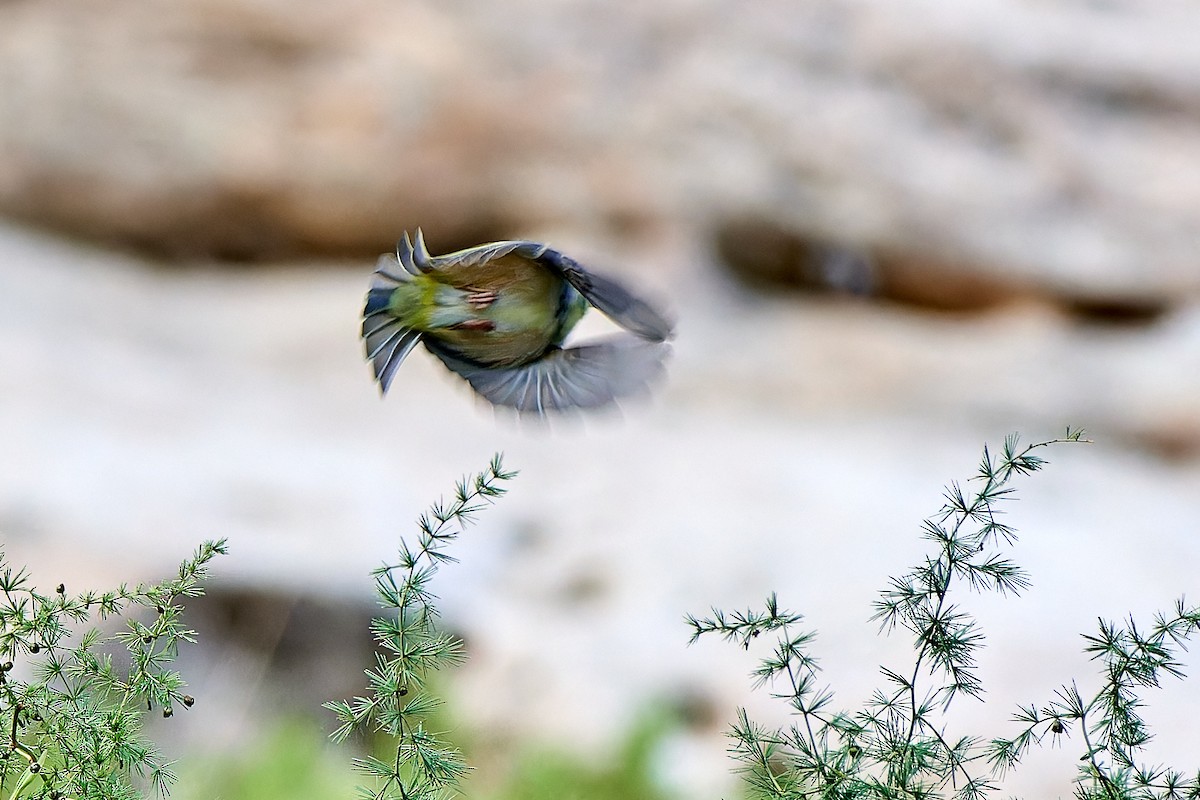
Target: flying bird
[497,315]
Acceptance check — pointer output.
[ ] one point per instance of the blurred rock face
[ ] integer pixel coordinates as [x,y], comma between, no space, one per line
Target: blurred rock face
[949,156]
[259,129]
[1049,146]
[241,129]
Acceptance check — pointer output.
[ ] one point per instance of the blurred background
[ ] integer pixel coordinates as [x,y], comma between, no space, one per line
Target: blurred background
[890,232]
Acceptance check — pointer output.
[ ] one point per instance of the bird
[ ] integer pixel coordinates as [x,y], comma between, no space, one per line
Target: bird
[498,314]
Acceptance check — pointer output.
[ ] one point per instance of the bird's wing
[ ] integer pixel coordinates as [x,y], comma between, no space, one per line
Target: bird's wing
[610,297]
[588,376]
[613,299]
[414,258]
[418,254]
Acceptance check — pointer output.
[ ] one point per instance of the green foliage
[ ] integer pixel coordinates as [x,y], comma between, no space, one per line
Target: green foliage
[1112,730]
[398,702]
[73,728]
[544,775]
[289,762]
[896,745]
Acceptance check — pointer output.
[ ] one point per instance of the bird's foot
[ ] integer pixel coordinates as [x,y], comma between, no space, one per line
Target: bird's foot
[483,325]
[480,298]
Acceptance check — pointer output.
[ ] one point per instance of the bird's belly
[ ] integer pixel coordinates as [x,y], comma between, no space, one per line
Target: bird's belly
[518,326]
[513,330]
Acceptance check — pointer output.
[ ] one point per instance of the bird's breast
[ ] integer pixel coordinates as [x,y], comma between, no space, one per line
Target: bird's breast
[519,325]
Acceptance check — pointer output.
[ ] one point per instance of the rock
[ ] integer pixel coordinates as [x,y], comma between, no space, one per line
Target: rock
[256,129]
[1044,147]
[971,154]
[796,445]
[770,256]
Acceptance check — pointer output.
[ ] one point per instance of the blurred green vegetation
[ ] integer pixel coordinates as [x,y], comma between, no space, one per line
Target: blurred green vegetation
[296,761]
[542,774]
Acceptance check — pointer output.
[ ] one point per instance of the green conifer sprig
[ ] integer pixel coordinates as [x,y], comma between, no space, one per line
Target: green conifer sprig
[71,718]
[896,745]
[413,649]
[1111,727]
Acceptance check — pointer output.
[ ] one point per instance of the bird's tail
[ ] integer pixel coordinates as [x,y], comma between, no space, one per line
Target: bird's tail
[378,299]
[387,340]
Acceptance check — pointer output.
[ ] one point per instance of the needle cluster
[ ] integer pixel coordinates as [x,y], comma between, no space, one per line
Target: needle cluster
[1109,722]
[896,745]
[412,649]
[70,712]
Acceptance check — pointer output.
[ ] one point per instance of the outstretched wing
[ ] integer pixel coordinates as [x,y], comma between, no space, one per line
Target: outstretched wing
[588,376]
[624,308]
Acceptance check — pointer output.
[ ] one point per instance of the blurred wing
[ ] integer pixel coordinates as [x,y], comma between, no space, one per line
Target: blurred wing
[588,376]
[628,311]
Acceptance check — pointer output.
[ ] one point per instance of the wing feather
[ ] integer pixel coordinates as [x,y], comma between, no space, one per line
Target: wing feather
[614,300]
[587,376]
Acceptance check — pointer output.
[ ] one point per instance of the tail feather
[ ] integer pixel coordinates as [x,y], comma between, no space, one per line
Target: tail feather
[378,299]
[386,348]
[385,339]
[390,358]
[390,272]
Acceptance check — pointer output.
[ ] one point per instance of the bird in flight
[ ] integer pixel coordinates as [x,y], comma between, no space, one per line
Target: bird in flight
[497,315]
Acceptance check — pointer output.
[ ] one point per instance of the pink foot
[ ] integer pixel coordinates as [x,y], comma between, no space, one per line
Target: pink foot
[475,325]
[480,298]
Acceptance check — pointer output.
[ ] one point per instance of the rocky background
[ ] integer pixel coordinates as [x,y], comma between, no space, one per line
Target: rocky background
[891,232]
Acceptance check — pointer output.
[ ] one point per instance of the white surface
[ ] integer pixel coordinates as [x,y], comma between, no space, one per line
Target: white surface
[795,447]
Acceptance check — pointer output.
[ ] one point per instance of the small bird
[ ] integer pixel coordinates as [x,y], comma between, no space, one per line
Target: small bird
[497,315]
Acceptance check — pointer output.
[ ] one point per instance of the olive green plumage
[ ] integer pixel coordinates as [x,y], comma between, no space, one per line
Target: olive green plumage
[498,314]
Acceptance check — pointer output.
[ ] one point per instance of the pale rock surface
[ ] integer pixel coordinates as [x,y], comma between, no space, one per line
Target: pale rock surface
[1035,160]
[795,446]
[1043,148]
